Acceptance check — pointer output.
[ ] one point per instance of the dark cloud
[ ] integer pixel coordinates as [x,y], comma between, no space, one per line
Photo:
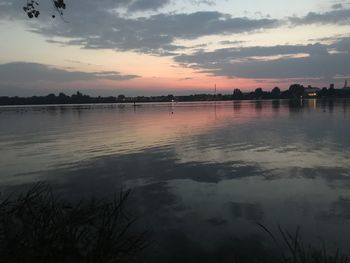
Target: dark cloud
[273,62]
[326,66]
[90,5]
[33,72]
[205,2]
[154,34]
[140,5]
[229,54]
[228,42]
[99,25]
[342,45]
[337,16]
[337,6]
[183,79]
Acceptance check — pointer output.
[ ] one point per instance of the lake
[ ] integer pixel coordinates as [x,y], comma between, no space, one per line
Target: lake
[202,174]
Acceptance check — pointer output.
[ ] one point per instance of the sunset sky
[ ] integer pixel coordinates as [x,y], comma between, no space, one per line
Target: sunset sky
[159,47]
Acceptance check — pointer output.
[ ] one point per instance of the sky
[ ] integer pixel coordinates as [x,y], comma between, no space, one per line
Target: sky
[160,47]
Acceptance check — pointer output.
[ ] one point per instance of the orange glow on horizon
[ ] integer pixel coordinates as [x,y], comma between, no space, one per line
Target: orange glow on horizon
[162,85]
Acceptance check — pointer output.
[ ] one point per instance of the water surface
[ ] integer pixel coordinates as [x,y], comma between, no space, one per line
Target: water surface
[202,174]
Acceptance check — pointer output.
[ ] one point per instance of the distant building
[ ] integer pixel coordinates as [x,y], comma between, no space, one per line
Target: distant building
[346,85]
[311,92]
[331,86]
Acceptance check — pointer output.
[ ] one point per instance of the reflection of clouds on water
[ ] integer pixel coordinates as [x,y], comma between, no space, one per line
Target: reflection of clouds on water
[300,205]
[336,177]
[193,213]
[157,198]
[150,165]
[217,221]
[44,138]
[338,210]
[312,140]
[199,178]
[247,211]
[181,247]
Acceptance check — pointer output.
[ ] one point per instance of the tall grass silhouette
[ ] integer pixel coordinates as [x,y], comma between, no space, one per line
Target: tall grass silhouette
[293,249]
[37,226]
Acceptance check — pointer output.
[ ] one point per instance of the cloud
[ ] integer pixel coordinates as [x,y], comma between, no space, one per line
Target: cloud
[283,61]
[89,5]
[103,25]
[205,2]
[337,6]
[18,72]
[228,42]
[184,79]
[326,66]
[337,16]
[342,44]
[154,34]
[230,54]
[100,25]
[141,5]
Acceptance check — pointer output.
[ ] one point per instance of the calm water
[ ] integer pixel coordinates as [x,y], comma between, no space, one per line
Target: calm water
[202,174]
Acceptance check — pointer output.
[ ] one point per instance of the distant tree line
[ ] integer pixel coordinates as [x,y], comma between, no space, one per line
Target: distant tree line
[80,98]
[295,91]
[62,98]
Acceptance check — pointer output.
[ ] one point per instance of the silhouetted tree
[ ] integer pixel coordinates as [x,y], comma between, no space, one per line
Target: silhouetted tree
[258,93]
[170,97]
[32,7]
[276,92]
[297,90]
[331,91]
[51,98]
[121,97]
[63,98]
[323,92]
[237,94]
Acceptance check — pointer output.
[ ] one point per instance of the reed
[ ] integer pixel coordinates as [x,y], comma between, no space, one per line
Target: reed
[293,249]
[37,226]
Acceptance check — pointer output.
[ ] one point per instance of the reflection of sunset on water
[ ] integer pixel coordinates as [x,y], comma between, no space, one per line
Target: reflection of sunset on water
[222,165]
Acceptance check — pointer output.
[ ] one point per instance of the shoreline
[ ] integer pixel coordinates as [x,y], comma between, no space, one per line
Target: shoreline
[128,103]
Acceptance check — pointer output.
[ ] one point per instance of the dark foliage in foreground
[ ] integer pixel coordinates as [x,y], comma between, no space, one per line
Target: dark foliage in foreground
[32,7]
[38,227]
[294,250]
